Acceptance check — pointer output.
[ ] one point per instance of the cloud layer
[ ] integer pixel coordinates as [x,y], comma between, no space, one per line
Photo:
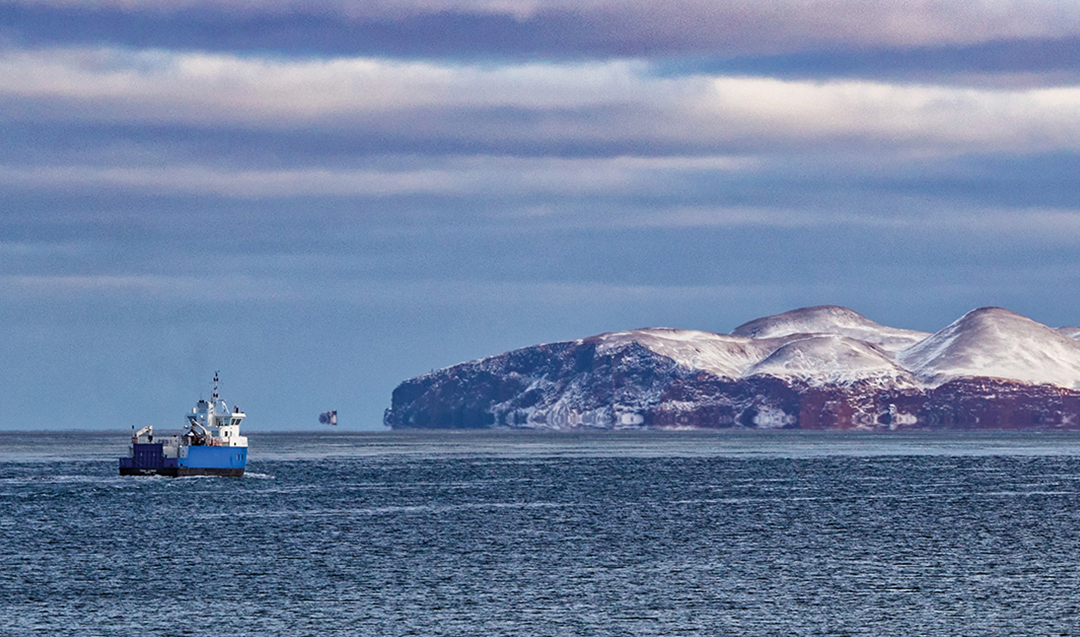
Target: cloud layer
[541,27]
[412,183]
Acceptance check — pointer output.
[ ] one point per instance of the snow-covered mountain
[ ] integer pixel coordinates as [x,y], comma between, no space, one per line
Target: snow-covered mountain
[815,367]
[996,343]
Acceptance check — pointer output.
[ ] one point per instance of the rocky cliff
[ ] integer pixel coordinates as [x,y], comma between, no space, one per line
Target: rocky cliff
[813,368]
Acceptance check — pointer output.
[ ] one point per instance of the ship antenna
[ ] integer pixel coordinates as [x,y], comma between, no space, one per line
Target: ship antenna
[215,387]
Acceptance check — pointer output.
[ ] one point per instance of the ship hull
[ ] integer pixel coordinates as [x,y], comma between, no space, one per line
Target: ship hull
[179,472]
[149,460]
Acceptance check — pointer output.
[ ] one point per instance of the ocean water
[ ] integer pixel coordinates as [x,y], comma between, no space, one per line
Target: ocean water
[638,533]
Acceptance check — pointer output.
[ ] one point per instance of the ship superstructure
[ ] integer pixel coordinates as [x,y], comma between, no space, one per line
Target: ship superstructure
[210,445]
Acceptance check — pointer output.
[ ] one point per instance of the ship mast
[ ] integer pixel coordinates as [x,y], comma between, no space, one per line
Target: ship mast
[211,416]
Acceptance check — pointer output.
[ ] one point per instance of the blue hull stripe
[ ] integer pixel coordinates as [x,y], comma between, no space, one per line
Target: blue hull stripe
[215,458]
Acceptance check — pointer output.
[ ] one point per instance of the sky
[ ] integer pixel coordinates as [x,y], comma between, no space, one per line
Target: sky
[321,199]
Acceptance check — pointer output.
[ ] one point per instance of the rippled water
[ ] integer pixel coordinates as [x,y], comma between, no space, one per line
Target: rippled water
[531,534]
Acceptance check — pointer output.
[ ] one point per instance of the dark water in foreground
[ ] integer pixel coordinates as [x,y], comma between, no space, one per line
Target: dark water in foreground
[492,534]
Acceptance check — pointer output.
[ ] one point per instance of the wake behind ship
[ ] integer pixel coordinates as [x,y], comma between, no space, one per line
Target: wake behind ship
[210,445]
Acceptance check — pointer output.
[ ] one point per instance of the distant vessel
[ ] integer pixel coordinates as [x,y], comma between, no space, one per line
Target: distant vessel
[328,417]
[211,445]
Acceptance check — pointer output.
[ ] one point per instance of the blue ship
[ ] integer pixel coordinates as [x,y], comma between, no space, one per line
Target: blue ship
[210,445]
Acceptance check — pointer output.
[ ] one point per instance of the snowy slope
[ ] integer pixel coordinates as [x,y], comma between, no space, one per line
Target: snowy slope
[996,343]
[720,354]
[830,319]
[832,360]
[1071,332]
[830,345]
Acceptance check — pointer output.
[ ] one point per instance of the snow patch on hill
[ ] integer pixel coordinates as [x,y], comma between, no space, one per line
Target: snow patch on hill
[1071,332]
[830,319]
[723,355]
[996,343]
[832,360]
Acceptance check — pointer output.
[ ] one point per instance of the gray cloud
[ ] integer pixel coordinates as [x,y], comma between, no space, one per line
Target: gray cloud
[539,27]
[995,63]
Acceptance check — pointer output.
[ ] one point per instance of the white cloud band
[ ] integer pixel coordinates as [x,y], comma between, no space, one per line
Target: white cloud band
[616,102]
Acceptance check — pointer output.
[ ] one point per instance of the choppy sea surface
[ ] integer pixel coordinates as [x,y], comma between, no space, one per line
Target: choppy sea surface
[636,533]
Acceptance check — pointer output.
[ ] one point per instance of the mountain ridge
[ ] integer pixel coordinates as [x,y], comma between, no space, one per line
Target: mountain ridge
[807,368]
